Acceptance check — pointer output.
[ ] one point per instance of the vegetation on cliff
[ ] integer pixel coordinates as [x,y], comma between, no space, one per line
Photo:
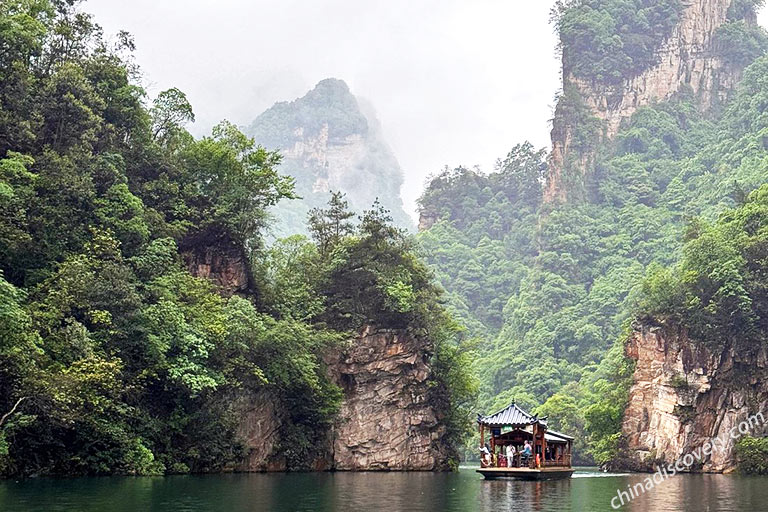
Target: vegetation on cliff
[608,41]
[717,290]
[752,455]
[551,287]
[113,357]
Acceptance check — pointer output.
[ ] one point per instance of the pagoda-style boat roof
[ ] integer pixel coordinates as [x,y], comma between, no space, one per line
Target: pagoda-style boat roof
[557,436]
[511,416]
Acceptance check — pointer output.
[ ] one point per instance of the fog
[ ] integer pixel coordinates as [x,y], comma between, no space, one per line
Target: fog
[453,81]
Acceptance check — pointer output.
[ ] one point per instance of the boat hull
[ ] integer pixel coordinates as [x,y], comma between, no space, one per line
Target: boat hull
[526,473]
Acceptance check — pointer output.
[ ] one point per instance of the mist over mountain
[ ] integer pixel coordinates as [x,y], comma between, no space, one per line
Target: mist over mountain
[330,141]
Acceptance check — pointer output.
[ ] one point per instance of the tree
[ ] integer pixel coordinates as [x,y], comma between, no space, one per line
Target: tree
[230,186]
[170,112]
[330,225]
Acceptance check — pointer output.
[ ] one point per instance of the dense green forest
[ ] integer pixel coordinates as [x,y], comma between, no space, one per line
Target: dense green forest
[113,357]
[551,289]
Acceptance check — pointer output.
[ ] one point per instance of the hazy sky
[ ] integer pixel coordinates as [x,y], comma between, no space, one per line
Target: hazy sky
[453,81]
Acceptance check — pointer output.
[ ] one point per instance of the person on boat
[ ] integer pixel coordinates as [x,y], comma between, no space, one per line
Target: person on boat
[485,455]
[510,455]
[527,451]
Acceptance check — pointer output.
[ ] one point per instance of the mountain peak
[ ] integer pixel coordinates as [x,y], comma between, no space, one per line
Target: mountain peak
[332,86]
[330,141]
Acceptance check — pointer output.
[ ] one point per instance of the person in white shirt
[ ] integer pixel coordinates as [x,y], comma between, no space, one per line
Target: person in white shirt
[510,455]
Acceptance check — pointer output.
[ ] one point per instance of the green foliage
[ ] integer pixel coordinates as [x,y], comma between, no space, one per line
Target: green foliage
[235,183]
[374,277]
[741,9]
[170,112]
[548,289]
[742,42]
[454,388]
[114,359]
[752,455]
[329,226]
[608,41]
[717,290]
[290,273]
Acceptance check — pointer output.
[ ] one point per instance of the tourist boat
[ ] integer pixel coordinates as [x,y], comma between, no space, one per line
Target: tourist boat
[551,451]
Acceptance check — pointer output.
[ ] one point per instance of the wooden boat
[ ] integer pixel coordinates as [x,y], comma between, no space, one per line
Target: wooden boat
[550,473]
[550,451]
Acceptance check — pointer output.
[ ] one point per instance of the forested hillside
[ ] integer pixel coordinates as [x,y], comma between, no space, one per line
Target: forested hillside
[550,287]
[114,358]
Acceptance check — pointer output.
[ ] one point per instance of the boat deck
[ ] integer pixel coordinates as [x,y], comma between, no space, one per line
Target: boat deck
[527,473]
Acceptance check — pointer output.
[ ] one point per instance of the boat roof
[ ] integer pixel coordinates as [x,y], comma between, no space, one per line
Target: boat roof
[551,435]
[511,415]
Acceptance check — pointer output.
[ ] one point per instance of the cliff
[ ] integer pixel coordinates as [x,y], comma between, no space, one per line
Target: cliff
[386,421]
[689,58]
[330,140]
[227,267]
[683,395]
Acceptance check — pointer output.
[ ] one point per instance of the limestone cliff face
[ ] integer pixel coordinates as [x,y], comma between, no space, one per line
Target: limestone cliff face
[261,417]
[386,421]
[427,220]
[227,267]
[684,395]
[331,141]
[688,58]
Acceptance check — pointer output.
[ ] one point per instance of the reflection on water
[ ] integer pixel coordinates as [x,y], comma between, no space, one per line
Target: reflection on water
[464,491]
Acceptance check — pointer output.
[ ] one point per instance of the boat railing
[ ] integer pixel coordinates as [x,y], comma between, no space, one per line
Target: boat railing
[564,461]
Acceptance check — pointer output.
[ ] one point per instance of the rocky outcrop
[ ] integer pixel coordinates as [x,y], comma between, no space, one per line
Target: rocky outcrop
[227,267]
[386,421]
[261,417]
[684,395]
[689,58]
[427,220]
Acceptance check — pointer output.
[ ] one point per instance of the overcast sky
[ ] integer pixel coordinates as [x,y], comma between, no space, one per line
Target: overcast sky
[453,81]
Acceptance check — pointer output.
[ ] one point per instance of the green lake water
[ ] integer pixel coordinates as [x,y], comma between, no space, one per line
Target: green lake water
[463,491]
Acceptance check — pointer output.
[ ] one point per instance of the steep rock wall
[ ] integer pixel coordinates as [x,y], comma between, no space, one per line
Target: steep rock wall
[684,395]
[226,267]
[386,421]
[688,58]
[261,417]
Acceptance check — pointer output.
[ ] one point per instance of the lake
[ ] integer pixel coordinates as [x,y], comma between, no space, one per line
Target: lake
[588,490]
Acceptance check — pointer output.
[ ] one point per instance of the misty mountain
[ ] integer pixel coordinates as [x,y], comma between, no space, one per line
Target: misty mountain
[330,141]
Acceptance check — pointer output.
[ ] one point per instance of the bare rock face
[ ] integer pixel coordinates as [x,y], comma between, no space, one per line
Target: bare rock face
[261,418]
[427,220]
[227,268]
[684,396]
[386,420]
[688,58]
